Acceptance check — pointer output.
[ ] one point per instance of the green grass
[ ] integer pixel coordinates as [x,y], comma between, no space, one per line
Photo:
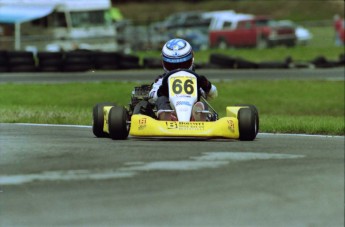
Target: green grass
[315,107]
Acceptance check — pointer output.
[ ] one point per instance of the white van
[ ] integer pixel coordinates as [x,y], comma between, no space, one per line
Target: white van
[219,18]
[57,24]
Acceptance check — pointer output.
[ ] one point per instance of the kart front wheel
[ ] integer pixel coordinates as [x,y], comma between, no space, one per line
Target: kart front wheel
[248,125]
[98,119]
[118,126]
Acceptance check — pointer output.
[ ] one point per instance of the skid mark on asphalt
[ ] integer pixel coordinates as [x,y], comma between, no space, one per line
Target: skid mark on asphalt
[207,160]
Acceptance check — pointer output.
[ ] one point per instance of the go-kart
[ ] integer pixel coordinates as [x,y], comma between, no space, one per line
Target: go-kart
[139,118]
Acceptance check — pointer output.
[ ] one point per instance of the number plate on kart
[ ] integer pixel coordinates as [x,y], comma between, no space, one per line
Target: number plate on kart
[183,85]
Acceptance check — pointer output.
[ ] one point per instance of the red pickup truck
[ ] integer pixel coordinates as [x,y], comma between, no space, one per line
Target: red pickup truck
[256,31]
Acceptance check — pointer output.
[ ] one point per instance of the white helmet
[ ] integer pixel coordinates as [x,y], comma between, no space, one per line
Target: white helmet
[177,54]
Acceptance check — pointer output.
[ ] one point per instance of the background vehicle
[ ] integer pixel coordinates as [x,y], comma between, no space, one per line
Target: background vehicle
[58,24]
[190,25]
[189,19]
[303,35]
[247,31]
[218,18]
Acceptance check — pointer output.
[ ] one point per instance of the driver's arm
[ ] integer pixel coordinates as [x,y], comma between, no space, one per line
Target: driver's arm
[154,90]
[209,88]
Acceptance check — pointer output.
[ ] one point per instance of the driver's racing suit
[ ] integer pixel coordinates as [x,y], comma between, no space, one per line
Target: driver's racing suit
[159,91]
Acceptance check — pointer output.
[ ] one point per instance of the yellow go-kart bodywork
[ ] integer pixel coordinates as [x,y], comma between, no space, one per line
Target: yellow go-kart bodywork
[226,127]
[146,126]
[110,120]
[139,119]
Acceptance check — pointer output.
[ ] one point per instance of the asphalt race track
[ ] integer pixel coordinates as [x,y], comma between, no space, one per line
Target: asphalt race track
[64,176]
[149,75]
[53,175]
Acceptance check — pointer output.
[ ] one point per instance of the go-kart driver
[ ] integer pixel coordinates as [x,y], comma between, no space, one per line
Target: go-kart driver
[177,54]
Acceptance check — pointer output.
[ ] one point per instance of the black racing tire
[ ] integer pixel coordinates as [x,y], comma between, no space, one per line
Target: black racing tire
[3,58]
[16,61]
[107,60]
[152,63]
[248,125]
[323,62]
[22,68]
[245,64]
[107,67]
[50,61]
[256,112]
[223,61]
[3,68]
[98,119]
[78,61]
[129,65]
[20,58]
[129,62]
[20,54]
[45,55]
[117,120]
[21,61]
[52,68]
[273,65]
[76,67]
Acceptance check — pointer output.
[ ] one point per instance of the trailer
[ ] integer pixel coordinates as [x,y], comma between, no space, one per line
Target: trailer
[56,25]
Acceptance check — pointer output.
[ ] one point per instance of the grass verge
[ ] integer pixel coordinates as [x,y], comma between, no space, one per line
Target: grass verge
[313,107]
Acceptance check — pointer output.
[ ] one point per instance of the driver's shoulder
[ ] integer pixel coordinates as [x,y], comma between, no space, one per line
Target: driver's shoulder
[180,70]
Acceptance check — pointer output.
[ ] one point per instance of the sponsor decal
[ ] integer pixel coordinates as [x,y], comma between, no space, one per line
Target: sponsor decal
[142,124]
[171,125]
[142,121]
[181,109]
[191,126]
[185,103]
[183,96]
[186,125]
[231,126]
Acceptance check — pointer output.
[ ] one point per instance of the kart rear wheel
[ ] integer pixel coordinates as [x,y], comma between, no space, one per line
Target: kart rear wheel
[248,125]
[117,120]
[256,112]
[98,119]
